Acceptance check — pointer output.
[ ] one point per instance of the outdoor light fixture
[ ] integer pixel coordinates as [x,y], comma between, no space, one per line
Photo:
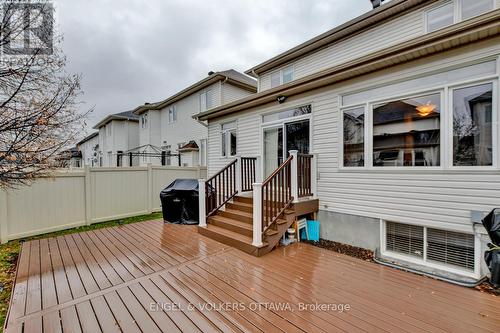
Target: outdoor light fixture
[281,99]
[426,109]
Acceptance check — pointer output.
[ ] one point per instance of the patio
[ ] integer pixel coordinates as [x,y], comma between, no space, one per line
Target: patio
[151,277]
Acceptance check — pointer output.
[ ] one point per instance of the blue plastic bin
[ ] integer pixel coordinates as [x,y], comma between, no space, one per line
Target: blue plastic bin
[312,230]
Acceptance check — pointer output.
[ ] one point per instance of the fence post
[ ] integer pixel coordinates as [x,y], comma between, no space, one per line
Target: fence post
[201,203]
[257,215]
[294,175]
[314,175]
[239,185]
[4,222]
[258,170]
[150,189]
[88,196]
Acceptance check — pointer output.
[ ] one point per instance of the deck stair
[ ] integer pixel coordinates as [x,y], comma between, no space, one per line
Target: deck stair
[233,226]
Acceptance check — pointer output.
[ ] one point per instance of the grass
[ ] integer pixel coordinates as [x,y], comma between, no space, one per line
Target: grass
[9,253]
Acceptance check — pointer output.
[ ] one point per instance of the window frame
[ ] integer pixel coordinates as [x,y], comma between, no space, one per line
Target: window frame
[446,128]
[172,110]
[204,97]
[457,13]
[281,71]
[225,136]
[430,263]
[495,108]
[144,120]
[341,134]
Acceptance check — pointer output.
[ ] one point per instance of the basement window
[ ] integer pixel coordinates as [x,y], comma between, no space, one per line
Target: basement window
[437,248]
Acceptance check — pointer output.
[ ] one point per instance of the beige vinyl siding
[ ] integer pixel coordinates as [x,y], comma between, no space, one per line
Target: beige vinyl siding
[401,29]
[231,93]
[439,198]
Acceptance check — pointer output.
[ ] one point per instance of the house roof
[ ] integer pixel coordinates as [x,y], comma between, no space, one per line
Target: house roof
[127,115]
[69,153]
[234,77]
[366,21]
[463,33]
[88,137]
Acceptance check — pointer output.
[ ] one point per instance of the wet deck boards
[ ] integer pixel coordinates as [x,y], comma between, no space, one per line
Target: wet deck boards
[151,277]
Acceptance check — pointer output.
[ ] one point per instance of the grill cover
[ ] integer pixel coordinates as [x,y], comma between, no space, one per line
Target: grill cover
[179,202]
[492,257]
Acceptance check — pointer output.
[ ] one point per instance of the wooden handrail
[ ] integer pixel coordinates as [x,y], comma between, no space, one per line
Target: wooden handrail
[276,194]
[220,188]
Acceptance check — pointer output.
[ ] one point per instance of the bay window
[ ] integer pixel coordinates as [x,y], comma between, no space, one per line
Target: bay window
[228,139]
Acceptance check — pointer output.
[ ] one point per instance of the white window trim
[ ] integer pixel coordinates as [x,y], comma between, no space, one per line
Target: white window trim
[457,13]
[429,263]
[172,108]
[446,135]
[205,95]
[280,71]
[228,138]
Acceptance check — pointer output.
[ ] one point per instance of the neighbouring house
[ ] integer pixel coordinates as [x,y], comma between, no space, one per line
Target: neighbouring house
[390,120]
[168,133]
[69,158]
[118,134]
[89,148]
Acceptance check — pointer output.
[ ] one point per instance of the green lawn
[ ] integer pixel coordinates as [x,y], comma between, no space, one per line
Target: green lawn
[10,251]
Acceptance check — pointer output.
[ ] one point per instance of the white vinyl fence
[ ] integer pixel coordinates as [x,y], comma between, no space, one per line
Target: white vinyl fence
[75,198]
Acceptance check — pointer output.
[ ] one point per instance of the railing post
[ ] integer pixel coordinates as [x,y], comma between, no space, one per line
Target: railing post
[202,203]
[257,215]
[258,170]
[294,184]
[314,175]
[239,176]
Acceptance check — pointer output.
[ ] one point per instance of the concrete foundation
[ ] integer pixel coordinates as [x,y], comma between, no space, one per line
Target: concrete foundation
[350,229]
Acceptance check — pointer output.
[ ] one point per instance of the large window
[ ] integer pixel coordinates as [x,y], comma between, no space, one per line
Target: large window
[282,76]
[472,126]
[172,114]
[295,112]
[440,17]
[407,132]
[228,139]
[454,11]
[354,137]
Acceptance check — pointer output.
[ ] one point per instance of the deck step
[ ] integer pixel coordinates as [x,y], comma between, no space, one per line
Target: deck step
[237,215]
[231,238]
[244,199]
[242,206]
[271,232]
[242,228]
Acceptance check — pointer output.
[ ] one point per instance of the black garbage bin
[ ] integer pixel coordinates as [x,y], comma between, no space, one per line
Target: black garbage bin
[179,202]
[492,257]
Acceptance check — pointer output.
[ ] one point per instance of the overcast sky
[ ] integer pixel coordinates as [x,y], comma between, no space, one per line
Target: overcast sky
[135,51]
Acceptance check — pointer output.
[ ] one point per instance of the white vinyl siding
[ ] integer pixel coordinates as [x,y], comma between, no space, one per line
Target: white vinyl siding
[231,93]
[437,198]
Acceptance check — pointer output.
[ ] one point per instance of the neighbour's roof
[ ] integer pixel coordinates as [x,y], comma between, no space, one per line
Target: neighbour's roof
[127,115]
[69,153]
[88,137]
[366,21]
[191,145]
[234,77]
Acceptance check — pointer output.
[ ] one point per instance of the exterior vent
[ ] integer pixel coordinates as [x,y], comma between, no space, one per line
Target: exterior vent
[451,248]
[405,238]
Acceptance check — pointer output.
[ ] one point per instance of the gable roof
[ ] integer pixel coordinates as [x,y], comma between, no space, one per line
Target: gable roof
[366,21]
[127,115]
[231,76]
[88,137]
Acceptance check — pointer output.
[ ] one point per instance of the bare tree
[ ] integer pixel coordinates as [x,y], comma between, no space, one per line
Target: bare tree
[39,101]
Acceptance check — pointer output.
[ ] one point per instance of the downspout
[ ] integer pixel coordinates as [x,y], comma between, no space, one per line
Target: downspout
[258,81]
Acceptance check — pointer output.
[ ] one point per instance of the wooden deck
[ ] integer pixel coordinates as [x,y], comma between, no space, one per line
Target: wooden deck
[151,277]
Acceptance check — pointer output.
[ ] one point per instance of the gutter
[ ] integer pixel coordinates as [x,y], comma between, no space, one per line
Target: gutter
[463,33]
